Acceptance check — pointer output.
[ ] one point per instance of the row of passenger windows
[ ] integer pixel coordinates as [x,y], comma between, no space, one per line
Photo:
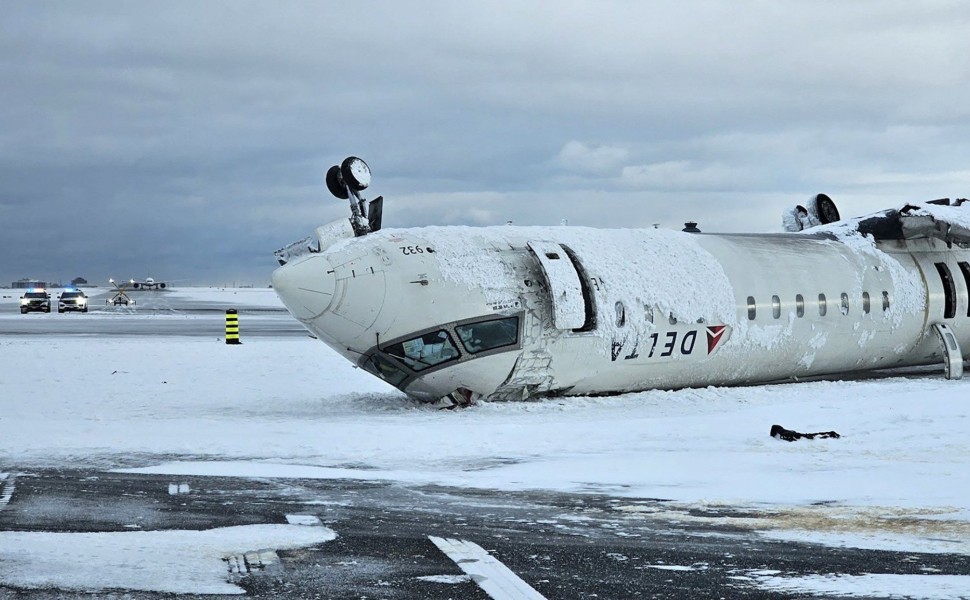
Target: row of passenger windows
[823,307]
[844,305]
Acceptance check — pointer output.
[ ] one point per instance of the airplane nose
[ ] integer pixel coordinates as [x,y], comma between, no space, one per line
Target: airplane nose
[306,287]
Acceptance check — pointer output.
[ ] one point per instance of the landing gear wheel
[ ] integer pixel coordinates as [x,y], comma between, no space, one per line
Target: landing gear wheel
[335,183]
[356,173]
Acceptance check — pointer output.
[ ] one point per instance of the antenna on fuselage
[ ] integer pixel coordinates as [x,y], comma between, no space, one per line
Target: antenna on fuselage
[346,182]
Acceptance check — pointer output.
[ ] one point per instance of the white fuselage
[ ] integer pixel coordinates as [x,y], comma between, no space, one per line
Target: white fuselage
[515,312]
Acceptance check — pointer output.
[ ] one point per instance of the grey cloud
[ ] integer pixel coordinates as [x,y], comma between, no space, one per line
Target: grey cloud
[193,137]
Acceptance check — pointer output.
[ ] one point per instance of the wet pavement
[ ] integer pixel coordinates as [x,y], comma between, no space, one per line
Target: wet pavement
[562,545]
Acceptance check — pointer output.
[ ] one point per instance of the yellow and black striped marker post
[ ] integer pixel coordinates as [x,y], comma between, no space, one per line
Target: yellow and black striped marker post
[232,327]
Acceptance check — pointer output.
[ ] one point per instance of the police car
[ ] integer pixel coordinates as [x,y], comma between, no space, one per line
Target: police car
[72,299]
[35,299]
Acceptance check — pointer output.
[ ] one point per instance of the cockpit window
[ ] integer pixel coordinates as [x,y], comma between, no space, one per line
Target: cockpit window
[384,369]
[424,351]
[486,335]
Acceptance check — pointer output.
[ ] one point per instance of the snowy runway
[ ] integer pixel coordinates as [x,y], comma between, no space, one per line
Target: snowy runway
[287,407]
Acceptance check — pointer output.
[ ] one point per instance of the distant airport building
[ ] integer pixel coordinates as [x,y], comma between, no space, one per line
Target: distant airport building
[22,284]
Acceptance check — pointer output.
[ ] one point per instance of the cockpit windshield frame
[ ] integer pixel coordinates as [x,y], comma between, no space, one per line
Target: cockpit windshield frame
[481,337]
[424,351]
[403,359]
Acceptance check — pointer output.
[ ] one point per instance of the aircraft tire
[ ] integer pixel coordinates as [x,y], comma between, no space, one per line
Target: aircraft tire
[347,171]
[335,183]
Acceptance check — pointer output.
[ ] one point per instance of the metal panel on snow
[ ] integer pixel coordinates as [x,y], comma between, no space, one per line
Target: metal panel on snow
[568,308]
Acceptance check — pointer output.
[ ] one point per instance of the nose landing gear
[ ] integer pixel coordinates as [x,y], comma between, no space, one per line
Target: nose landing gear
[346,182]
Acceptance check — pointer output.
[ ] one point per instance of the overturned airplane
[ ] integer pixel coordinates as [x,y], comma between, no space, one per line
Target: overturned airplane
[510,313]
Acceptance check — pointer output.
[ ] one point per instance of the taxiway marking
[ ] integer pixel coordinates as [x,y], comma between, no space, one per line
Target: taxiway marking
[175,489]
[6,485]
[308,520]
[497,580]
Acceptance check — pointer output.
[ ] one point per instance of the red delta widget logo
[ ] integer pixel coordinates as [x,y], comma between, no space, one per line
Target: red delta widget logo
[667,344]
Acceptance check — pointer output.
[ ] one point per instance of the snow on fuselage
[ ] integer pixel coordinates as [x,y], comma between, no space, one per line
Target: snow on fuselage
[514,312]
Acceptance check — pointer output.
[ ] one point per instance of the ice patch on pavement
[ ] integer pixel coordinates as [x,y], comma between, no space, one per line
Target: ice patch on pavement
[178,562]
[911,587]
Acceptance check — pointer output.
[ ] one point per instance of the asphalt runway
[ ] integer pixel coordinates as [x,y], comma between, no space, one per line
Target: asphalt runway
[560,545]
[389,536]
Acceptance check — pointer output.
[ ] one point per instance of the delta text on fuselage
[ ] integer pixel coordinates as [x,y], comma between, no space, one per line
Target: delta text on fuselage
[520,312]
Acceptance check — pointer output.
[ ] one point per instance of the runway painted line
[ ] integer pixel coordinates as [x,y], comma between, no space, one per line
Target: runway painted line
[497,580]
[6,487]
[175,489]
[308,520]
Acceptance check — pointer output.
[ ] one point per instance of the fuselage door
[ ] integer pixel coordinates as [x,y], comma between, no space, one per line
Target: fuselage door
[562,280]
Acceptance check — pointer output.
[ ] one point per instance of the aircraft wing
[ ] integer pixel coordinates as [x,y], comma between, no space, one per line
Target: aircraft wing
[950,228]
[950,223]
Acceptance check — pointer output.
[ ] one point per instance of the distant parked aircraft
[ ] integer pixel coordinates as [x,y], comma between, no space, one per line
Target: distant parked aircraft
[147,284]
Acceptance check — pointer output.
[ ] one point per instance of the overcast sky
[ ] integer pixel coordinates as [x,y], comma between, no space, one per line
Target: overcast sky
[189,140]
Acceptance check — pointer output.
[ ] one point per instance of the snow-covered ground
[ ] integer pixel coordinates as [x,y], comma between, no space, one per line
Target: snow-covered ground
[898,478]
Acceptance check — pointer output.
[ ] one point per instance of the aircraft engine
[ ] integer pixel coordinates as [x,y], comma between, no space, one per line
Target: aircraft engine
[161,286]
[136,285]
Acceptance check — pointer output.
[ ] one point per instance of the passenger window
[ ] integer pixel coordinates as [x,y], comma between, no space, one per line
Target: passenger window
[822,307]
[775,307]
[885,301]
[648,313]
[866,305]
[752,309]
[620,314]
[799,306]
[487,335]
[424,351]
[845,304]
